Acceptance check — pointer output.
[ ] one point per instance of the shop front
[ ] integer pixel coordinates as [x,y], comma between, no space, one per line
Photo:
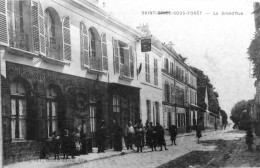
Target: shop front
[36,102]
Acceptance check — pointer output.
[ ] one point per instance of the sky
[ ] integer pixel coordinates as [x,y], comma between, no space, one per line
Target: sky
[215,43]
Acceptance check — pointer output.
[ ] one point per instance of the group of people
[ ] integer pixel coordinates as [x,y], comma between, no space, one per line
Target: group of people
[75,142]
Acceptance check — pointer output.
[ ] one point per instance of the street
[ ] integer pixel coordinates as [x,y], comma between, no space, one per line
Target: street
[150,159]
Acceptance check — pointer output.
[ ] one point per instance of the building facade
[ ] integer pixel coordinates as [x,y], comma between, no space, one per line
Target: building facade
[179,91]
[62,62]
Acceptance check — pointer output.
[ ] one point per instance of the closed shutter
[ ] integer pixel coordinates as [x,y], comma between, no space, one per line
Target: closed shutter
[66,38]
[3,23]
[116,56]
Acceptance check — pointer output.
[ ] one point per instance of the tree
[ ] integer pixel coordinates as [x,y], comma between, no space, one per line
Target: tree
[204,81]
[254,54]
[237,115]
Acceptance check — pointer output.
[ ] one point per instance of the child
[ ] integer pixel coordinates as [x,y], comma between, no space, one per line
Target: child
[56,140]
[173,132]
[249,139]
[66,144]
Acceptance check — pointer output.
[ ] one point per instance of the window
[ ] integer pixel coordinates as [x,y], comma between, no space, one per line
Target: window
[123,59]
[148,107]
[92,118]
[116,106]
[52,108]
[147,68]
[18,24]
[167,92]
[166,65]
[18,111]
[155,72]
[104,52]
[53,29]
[66,38]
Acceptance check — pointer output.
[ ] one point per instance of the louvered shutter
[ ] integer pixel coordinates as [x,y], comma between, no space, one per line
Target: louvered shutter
[3,23]
[41,30]
[66,38]
[131,62]
[35,24]
[38,28]
[84,44]
[116,56]
[104,52]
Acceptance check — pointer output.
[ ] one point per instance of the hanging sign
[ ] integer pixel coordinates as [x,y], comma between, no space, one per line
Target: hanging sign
[146,44]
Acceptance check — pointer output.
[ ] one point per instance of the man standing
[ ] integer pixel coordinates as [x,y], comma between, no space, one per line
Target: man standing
[83,137]
[101,137]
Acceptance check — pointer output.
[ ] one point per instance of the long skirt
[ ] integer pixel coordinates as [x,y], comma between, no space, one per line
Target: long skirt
[118,143]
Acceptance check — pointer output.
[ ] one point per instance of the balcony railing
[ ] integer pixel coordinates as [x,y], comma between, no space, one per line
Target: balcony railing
[18,40]
[52,49]
[124,70]
[96,63]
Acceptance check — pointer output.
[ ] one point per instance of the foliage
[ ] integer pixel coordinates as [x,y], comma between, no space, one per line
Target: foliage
[204,81]
[224,116]
[237,110]
[254,55]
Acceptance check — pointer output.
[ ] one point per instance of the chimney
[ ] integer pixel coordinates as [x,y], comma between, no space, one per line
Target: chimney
[170,45]
[144,28]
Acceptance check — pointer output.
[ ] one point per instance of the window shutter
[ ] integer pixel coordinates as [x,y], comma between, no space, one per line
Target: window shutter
[84,45]
[3,23]
[131,62]
[38,28]
[66,38]
[104,52]
[41,30]
[116,56]
[35,26]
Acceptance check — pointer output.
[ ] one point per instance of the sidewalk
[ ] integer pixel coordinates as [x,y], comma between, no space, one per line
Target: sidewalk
[40,163]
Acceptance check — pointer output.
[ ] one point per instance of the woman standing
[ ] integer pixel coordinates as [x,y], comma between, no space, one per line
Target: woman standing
[198,130]
[139,131]
[117,132]
[160,136]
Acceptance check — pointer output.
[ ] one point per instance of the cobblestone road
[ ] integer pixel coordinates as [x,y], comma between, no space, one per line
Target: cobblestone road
[149,159]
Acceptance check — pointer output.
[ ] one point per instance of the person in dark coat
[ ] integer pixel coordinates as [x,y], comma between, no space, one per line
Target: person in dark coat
[83,137]
[199,128]
[173,133]
[56,141]
[249,139]
[152,134]
[139,131]
[117,133]
[160,136]
[101,137]
[66,144]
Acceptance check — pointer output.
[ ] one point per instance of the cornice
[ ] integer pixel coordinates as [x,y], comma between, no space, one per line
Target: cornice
[92,9]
